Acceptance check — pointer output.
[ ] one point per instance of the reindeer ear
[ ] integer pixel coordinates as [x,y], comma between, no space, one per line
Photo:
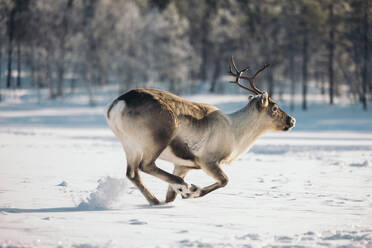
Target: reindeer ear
[264,100]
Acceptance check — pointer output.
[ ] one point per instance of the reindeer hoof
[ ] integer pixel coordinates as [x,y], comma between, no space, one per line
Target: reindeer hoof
[186,196]
[181,189]
[195,191]
[154,202]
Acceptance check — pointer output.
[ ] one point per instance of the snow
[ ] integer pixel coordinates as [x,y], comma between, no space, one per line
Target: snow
[109,191]
[63,183]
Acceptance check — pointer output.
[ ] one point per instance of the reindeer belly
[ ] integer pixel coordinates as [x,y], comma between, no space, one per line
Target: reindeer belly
[180,152]
[169,156]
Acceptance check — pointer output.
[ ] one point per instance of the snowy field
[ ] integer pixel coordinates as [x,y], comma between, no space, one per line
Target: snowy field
[62,183]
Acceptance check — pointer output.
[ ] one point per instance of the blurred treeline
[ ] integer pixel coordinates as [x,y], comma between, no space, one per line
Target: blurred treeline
[184,45]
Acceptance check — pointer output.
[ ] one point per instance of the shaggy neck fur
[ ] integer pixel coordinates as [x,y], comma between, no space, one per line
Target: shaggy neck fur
[247,125]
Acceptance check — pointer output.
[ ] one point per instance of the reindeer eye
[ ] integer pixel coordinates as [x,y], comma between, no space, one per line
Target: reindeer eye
[274,109]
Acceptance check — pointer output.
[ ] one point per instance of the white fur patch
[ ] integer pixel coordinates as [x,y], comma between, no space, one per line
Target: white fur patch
[133,150]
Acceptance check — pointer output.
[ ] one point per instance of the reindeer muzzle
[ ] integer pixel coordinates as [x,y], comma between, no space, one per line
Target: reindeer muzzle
[290,123]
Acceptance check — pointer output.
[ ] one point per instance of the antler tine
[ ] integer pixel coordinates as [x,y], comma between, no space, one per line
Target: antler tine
[251,79]
[233,63]
[235,68]
[243,87]
[260,70]
[238,74]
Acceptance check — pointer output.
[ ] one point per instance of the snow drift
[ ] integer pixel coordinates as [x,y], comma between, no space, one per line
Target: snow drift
[108,192]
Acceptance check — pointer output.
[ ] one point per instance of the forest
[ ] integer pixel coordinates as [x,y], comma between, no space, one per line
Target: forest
[64,177]
[185,46]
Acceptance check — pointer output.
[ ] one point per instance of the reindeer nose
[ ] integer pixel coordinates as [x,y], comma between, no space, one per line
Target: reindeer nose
[291,121]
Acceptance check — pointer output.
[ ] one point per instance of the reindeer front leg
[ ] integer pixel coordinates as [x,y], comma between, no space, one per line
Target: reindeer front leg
[214,171]
[180,171]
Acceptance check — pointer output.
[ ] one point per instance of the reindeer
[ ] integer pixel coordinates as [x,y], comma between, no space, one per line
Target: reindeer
[152,124]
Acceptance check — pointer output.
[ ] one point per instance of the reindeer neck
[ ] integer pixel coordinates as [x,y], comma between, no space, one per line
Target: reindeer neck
[247,125]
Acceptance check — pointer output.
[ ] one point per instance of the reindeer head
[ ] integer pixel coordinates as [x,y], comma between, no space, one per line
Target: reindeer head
[275,118]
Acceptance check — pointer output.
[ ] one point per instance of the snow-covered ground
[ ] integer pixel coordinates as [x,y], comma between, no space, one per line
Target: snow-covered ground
[62,183]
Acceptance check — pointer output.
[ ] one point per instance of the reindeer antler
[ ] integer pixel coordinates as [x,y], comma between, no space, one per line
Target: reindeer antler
[239,75]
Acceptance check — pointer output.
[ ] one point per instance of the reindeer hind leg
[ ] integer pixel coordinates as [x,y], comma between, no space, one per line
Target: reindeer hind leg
[152,149]
[134,177]
[134,156]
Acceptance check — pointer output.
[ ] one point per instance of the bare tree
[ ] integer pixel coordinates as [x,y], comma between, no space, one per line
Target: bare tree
[62,46]
[10,28]
[366,55]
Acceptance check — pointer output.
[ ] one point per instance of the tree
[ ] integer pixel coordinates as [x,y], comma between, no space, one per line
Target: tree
[16,28]
[225,35]
[311,20]
[175,50]
[291,49]
[366,54]
[63,34]
[4,8]
[331,49]
[356,46]
[10,29]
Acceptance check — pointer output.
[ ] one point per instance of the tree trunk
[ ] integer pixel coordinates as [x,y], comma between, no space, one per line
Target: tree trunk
[291,71]
[270,81]
[88,84]
[204,48]
[60,76]
[305,61]
[73,80]
[10,48]
[48,76]
[331,48]
[365,57]
[216,74]
[18,65]
[35,79]
[32,65]
[1,71]
[62,49]
[292,53]
[322,85]
[72,85]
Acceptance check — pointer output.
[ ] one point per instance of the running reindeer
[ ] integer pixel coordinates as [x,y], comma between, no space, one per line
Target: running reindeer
[152,124]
